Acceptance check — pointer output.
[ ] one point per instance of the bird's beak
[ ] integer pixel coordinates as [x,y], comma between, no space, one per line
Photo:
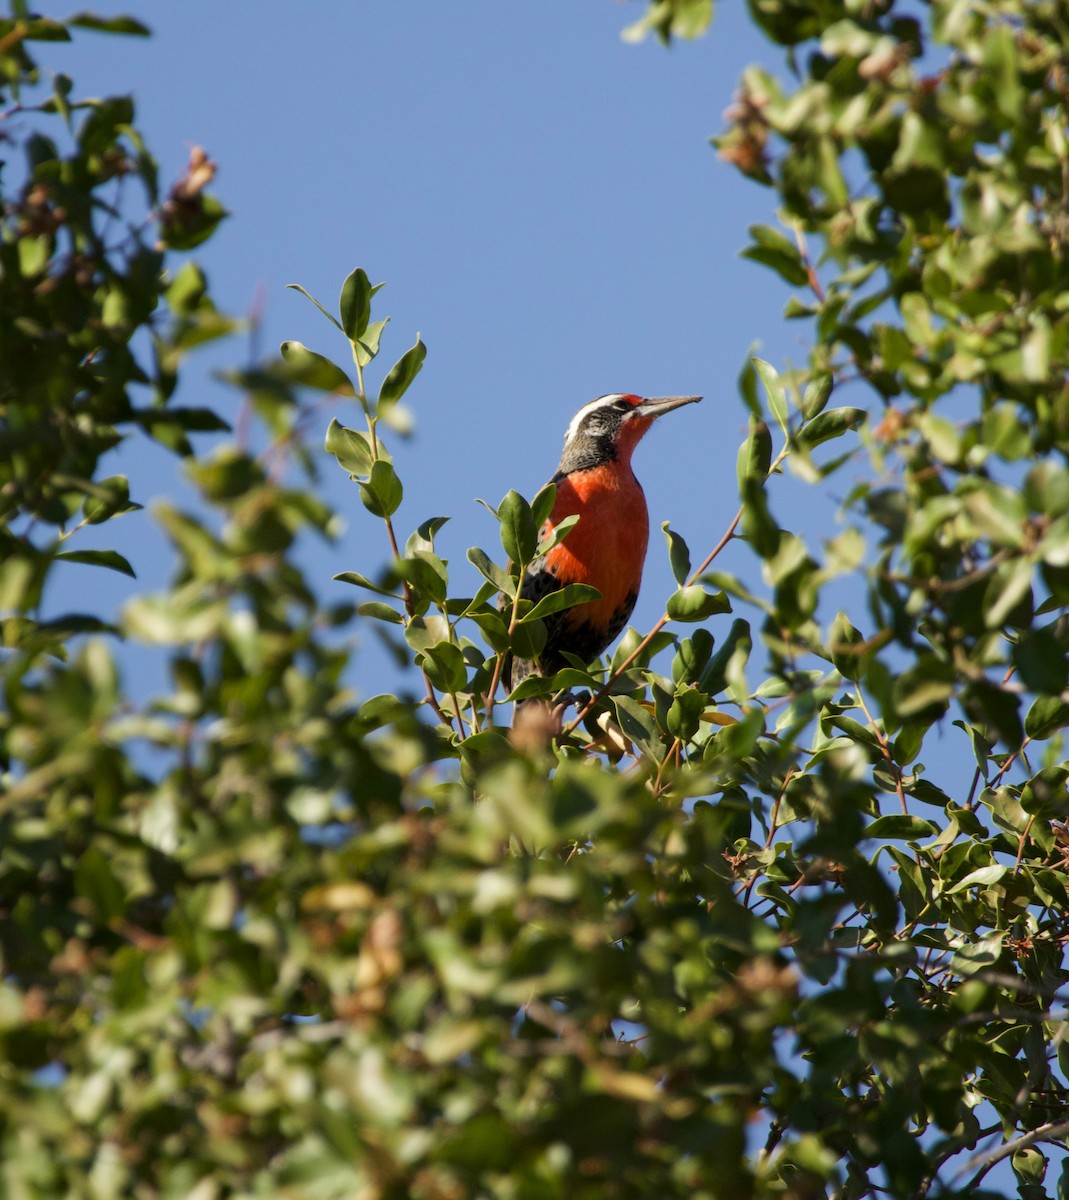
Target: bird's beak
[657,406]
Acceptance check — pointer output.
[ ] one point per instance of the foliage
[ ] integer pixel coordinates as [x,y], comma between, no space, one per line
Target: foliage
[726,936]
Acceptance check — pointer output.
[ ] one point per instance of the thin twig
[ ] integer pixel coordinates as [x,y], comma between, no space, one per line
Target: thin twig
[1050,1132]
[406,589]
[885,750]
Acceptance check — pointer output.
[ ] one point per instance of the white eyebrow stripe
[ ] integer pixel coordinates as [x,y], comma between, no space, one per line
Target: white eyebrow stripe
[577,420]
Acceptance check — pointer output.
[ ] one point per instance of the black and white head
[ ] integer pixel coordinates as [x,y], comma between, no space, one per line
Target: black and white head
[608,429]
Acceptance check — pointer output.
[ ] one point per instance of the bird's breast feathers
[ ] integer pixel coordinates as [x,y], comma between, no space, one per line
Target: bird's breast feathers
[607,547]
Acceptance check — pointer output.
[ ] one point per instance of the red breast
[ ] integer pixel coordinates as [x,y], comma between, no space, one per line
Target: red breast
[608,546]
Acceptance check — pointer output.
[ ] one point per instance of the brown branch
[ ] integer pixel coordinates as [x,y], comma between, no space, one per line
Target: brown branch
[1050,1132]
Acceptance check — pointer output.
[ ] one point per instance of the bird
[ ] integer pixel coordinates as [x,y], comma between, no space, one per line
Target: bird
[607,548]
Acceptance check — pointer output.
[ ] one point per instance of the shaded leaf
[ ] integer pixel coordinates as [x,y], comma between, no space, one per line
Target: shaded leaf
[310,369]
[382,493]
[355,304]
[564,597]
[111,559]
[694,603]
[777,397]
[519,534]
[401,375]
[350,447]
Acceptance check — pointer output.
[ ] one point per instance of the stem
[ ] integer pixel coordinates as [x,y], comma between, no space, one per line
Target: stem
[66,533]
[885,749]
[514,620]
[803,250]
[1021,843]
[773,825]
[406,589]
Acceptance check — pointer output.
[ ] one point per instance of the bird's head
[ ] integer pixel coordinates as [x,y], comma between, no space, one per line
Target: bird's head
[608,429]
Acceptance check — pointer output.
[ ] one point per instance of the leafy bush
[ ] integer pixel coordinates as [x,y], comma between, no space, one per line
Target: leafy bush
[725,936]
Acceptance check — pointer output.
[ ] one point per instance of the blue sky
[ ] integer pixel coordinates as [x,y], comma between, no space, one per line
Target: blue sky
[543,202]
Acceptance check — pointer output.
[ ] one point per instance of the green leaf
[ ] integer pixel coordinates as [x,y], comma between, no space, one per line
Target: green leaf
[755,454]
[816,396]
[638,726]
[1005,433]
[308,296]
[382,493]
[191,420]
[174,618]
[844,645]
[205,554]
[927,793]
[901,827]
[982,877]
[981,954]
[1047,715]
[489,570]
[692,656]
[355,304]
[191,226]
[827,425]
[1045,795]
[97,883]
[532,685]
[100,129]
[423,538]
[727,663]
[71,624]
[445,667]
[694,603]
[684,715]
[542,504]
[671,18]
[777,397]
[927,685]
[774,249]
[1041,662]
[1010,586]
[564,597]
[557,534]
[758,524]
[107,499]
[987,703]
[309,369]
[1030,1166]
[118,24]
[379,611]
[998,514]
[401,375]
[493,628]
[350,447]
[426,572]
[1046,486]
[423,632]
[367,347]
[519,533]
[111,559]
[528,639]
[358,580]
[678,554]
